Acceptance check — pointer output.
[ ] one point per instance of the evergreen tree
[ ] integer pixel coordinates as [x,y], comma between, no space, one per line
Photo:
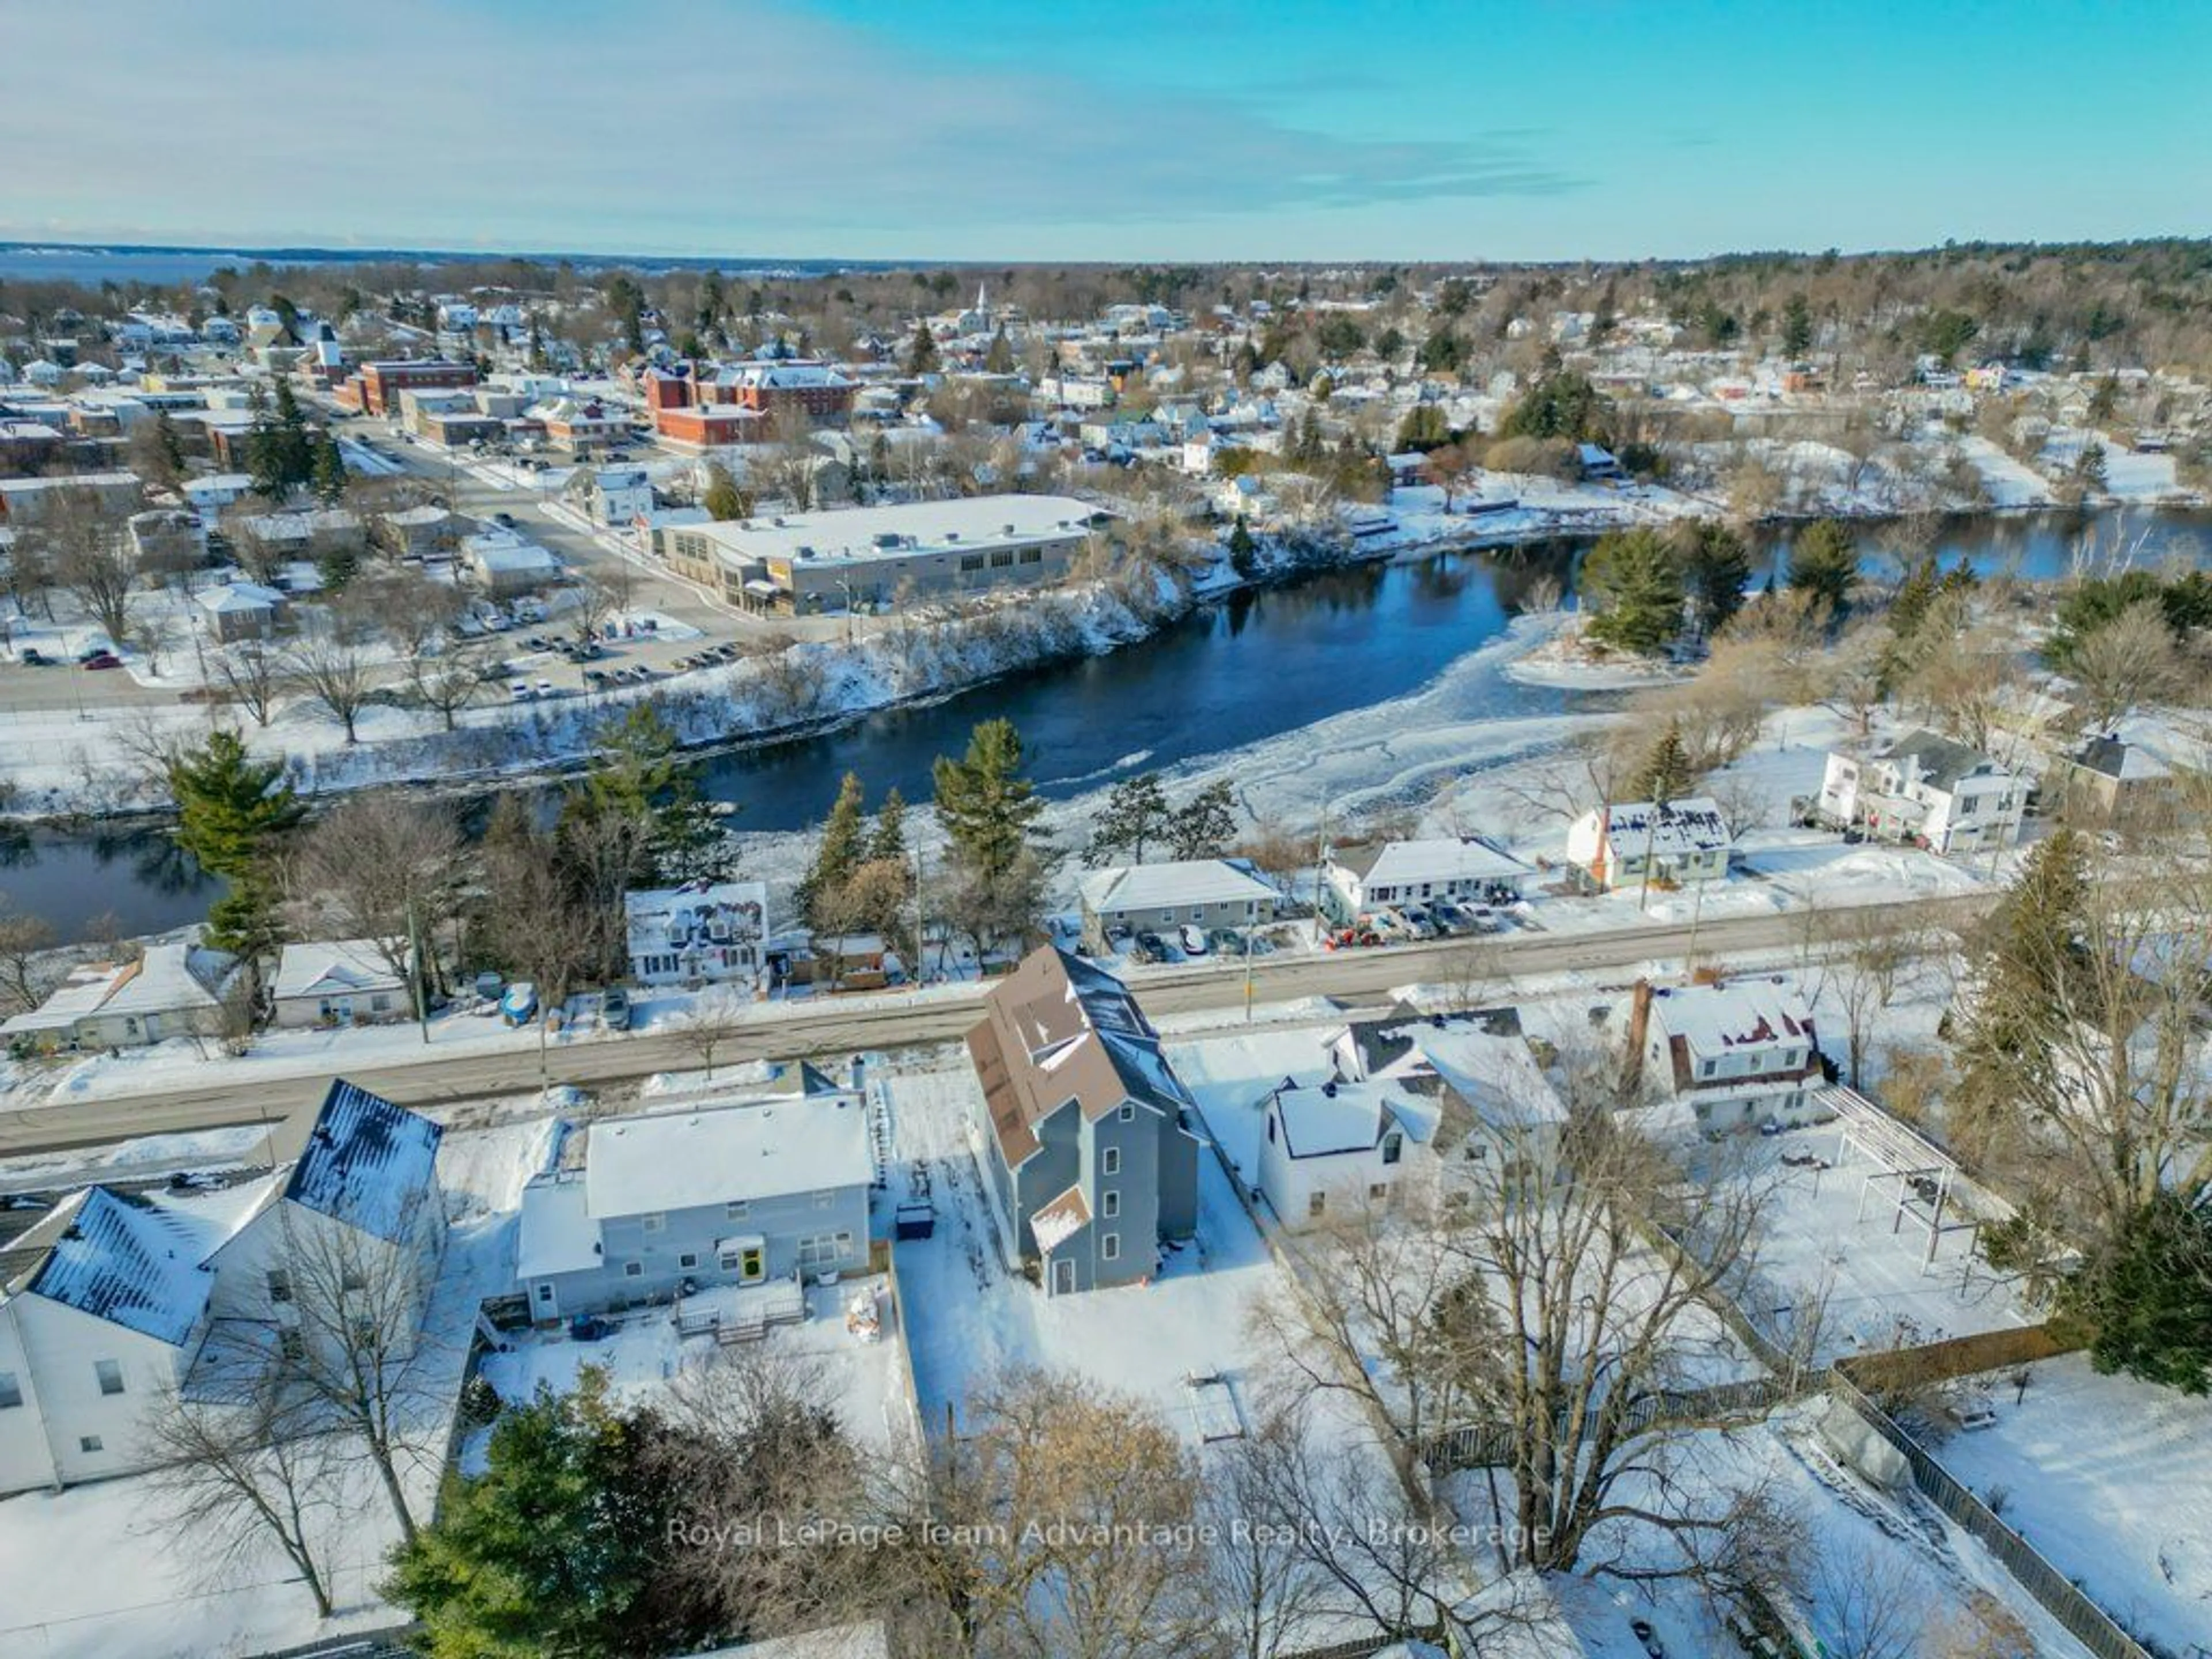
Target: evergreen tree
[1665,776]
[922,351]
[1796,327]
[2149,1296]
[1423,429]
[554,1547]
[233,814]
[328,476]
[1824,562]
[837,854]
[2002,1034]
[1442,353]
[1716,569]
[889,840]
[985,804]
[169,445]
[640,777]
[1559,405]
[1135,815]
[1632,578]
[999,359]
[1205,823]
[1243,556]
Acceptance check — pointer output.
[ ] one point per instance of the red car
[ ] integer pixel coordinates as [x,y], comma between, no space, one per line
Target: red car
[102,659]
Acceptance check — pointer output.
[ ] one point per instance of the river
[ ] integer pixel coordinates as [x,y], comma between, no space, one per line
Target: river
[1254,667]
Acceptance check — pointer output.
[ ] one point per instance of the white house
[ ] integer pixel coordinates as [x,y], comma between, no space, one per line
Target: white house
[338,982]
[507,565]
[1736,1054]
[1359,876]
[1343,1146]
[620,494]
[175,989]
[1203,892]
[1677,843]
[111,1299]
[241,609]
[1945,795]
[699,933]
[217,490]
[723,1192]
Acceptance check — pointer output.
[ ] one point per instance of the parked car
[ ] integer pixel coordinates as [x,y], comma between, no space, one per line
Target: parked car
[102,659]
[1192,939]
[1485,920]
[1419,922]
[1226,941]
[506,520]
[1118,940]
[545,687]
[518,689]
[614,1009]
[1150,947]
[519,1002]
[32,656]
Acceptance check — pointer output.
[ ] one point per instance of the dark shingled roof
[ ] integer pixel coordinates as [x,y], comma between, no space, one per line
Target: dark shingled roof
[366,1162]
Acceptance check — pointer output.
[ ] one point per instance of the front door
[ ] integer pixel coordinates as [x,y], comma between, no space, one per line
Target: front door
[751,1264]
[1063,1277]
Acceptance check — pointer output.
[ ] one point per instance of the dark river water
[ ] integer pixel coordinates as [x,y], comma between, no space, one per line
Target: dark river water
[1253,667]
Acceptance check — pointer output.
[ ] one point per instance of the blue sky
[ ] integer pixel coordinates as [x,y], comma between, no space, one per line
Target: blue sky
[989,129]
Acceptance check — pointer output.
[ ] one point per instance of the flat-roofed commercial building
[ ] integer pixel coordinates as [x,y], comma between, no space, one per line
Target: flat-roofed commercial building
[865,559]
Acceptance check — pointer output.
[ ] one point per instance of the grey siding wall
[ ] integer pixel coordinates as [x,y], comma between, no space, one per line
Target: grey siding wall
[1134,1231]
[1050,1171]
[682,1247]
[1178,1156]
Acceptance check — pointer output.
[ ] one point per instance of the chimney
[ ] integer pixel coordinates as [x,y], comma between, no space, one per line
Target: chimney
[1639,1029]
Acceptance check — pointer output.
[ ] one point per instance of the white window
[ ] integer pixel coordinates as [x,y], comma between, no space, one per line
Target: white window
[292,1345]
[1393,1146]
[688,1260]
[633,1270]
[1110,1162]
[656,1224]
[1110,1247]
[544,1292]
[1129,1113]
[735,1209]
[109,1375]
[1110,1204]
[11,1391]
[90,1442]
[1707,1067]
[351,1278]
[279,1285]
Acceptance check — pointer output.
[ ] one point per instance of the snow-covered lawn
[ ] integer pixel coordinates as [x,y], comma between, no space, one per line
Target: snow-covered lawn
[866,1381]
[1814,1244]
[2111,1479]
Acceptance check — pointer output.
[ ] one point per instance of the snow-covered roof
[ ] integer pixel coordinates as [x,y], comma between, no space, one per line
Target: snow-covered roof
[1397,863]
[1057,1222]
[664,919]
[905,530]
[1329,1119]
[172,976]
[716,1154]
[1739,1013]
[867,1641]
[2114,757]
[1939,761]
[121,1259]
[237,597]
[1669,830]
[555,1234]
[1178,886]
[332,968]
[366,1162]
[1497,1076]
[510,553]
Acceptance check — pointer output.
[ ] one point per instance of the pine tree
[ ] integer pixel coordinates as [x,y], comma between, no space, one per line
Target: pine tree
[640,777]
[985,804]
[2149,1296]
[1135,814]
[1243,555]
[233,814]
[999,359]
[723,500]
[171,446]
[1665,776]
[922,351]
[1824,562]
[1633,581]
[1715,568]
[328,476]
[838,854]
[889,840]
[1796,327]
[2002,1034]
[1204,824]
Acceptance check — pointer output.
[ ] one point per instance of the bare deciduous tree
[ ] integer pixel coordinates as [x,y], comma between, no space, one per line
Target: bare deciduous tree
[381,866]
[2131,661]
[334,671]
[714,1020]
[251,676]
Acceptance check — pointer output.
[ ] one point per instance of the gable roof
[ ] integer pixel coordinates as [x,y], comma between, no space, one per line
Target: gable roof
[331,968]
[1738,1014]
[1671,828]
[1177,884]
[2116,758]
[1941,761]
[1059,1028]
[125,1260]
[1466,857]
[364,1162]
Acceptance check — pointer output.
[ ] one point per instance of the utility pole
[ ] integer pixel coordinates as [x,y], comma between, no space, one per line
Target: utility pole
[921,924]
[415,973]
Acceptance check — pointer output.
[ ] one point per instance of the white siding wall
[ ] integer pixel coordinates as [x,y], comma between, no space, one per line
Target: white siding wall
[65,1349]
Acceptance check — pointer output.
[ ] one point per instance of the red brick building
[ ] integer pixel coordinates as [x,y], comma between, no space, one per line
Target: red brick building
[735,405]
[375,387]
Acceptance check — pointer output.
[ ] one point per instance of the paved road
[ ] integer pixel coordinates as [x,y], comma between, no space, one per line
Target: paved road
[841,1029]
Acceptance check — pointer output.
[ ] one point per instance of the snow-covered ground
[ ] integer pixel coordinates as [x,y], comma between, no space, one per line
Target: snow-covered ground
[2112,1481]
